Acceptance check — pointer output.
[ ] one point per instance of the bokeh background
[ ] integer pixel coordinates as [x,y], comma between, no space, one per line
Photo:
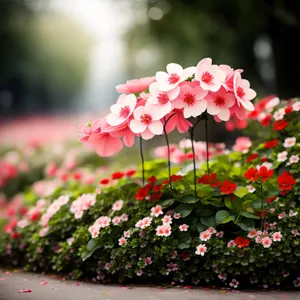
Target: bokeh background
[62,58]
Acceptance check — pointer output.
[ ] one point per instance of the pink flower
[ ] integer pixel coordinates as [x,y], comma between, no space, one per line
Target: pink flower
[205,235]
[176,216]
[293,213]
[210,76]
[122,241]
[201,249]
[43,232]
[160,101]
[163,230]
[124,217]
[191,99]
[103,221]
[211,230]
[220,234]
[122,110]
[183,227]
[294,159]
[127,234]
[172,267]
[289,142]
[242,92]
[117,205]
[282,156]
[296,106]
[167,219]
[279,114]
[219,104]
[282,215]
[156,211]
[148,261]
[266,242]
[175,74]
[242,144]
[94,230]
[146,222]
[145,123]
[70,241]
[178,120]
[276,236]
[231,244]
[252,233]
[116,221]
[107,266]
[135,86]
[250,188]
[234,283]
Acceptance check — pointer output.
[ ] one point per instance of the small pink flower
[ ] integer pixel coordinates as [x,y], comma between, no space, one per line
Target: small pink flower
[146,123]
[191,99]
[70,241]
[146,222]
[148,261]
[103,221]
[295,232]
[107,266]
[43,232]
[219,104]
[205,235]
[277,236]
[293,213]
[116,221]
[172,267]
[272,210]
[220,234]
[167,219]
[156,211]
[258,239]
[296,106]
[242,144]
[279,114]
[294,159]
[210,76]
[282,156]
[234,283]
[124,217]
[201,249]
[175,74]
[94,230]
[252,233]
[135,86]
[266,242]
[122,110]
[176,216]
[122,241]
[127,234]
[163,230]
[117,205]
[250,188]
[231,244]
[183,227]
[282,215]
[211,230]
[289,142]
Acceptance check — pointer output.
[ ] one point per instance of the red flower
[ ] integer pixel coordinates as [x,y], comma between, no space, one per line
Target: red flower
[104,181]
[189,156]
[14,235]
[227,187]
[77,175]
[64,177]
[288,110]
[130,172]
[286,181]
[166,181]
[175,178]
[184,256]
[35,216]
[279,125]
[241,242]
[261,213]
[152,179]
[266,121]
[271,144]
[117,175]
[157,188]
[24,211]
[264,159]
[141,194]
[271,199]
[265,174]
[251,157]
[155,196]
[210,179]
[252,174]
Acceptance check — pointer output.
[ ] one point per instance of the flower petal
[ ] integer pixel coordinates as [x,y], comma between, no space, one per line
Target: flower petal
[137,126]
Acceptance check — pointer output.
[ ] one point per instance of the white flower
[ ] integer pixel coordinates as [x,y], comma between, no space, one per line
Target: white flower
[289,142]
[282,156]
[250,188]
[294,159]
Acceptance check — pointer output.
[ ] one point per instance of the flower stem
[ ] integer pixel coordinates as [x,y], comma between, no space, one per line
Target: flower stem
[142,159]
[262,204]
[206,140]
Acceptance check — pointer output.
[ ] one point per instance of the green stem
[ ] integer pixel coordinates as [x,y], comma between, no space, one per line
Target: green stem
[142,159]
[206,140]
[262,204]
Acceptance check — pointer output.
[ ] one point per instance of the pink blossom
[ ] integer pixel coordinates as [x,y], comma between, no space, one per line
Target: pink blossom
[163,230]
[146,222]
[211,230]
[162,151]
[177,121]
[156,211]
[159,101]
[167,219]
[252,233]
[117,205]
[277,236]
[145,123]
[127,234]
[124,217]
[201,249]
[293,213]
[220,234]
[282,156]
[82,203]
[242,144]
[242,92]
[296,106]
[272,103]
[272,210]
[94,230]
[176,216]
[234,283]
[210,76]
[266,242]
[103,221]
[175,74]
[219,104]
[205,235]
[294,159]
[282,215]
[122,110]
[107,266]
[70,241]
[122,241]
[279,114]
[295,232]
[191,99]
[289,142]
[43,232]
[250,188]
[231,244]
[116,221]
[183,227]
[148,261]
[172,267]
[135,86]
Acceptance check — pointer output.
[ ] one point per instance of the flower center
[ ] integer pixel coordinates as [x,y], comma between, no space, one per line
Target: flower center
[173,78]
[219,101]
[240,92]
[189,99]
[163,98]
[207,78]
[124,111]
[146,119]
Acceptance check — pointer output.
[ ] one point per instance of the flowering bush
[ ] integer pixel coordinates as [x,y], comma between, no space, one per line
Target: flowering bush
[217,216]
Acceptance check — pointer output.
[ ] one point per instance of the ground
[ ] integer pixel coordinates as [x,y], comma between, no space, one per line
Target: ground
[54,287]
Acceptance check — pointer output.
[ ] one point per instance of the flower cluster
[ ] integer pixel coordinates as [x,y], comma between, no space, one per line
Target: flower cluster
[82,203]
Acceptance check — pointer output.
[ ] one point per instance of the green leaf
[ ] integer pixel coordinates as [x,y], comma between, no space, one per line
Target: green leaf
[184,209]
[205,212]
[167,202]
[209,221]
[91,247]
[241,192]
[223,216]
[246,224]
[205,190]
[235,156]
[256,204]
[188,199]
[201,227]
[250,216]
[184,241]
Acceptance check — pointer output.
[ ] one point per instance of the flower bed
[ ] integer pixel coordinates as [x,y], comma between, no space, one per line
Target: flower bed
[213,216]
